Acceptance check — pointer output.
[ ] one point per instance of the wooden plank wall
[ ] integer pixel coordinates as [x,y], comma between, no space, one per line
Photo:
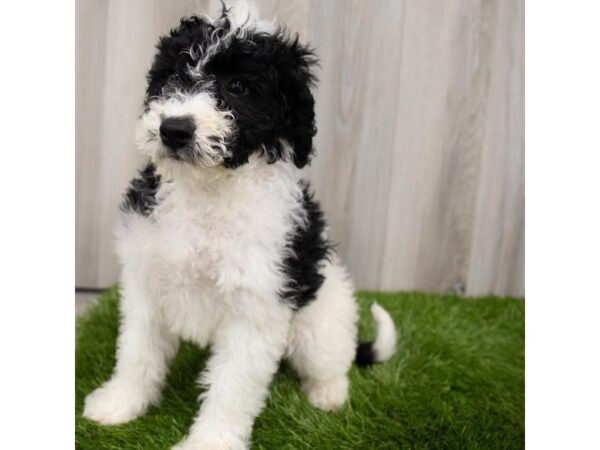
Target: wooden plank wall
[420,111]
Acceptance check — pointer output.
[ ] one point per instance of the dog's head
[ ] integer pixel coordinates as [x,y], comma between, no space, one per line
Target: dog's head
[221,90]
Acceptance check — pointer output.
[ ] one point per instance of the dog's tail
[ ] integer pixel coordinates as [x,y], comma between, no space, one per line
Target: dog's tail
[384,346]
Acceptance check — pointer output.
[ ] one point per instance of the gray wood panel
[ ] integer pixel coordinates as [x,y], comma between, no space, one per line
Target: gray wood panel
[420,111]
[90,48]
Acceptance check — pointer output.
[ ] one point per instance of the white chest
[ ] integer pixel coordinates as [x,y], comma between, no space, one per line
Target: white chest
[204,251]
[230,237]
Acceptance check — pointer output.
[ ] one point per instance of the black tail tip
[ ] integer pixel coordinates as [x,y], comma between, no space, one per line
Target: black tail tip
[365,354]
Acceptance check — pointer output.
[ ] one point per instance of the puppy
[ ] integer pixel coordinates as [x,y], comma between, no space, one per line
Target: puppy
[221,242]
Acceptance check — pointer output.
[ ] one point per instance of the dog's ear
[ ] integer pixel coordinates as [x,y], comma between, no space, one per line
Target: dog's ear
[296,81]
[173,51]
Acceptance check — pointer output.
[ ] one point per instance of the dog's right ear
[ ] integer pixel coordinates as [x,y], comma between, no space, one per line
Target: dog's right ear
[174,55]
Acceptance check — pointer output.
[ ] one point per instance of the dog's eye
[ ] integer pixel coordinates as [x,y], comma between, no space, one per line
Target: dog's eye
[236,87]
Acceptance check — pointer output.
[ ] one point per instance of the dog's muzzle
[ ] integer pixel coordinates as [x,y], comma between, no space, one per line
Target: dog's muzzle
[177,133]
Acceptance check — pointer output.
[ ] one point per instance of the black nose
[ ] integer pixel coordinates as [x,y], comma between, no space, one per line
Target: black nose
[176,132]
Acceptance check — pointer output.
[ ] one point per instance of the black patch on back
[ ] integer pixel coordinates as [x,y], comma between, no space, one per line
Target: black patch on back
[140,196]
[310,248]
[365,354]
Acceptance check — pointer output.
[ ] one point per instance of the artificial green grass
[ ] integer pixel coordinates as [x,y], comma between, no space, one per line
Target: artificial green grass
[456,382]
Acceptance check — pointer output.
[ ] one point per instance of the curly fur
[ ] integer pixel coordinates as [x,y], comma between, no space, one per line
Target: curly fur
[201,56]
[221,242]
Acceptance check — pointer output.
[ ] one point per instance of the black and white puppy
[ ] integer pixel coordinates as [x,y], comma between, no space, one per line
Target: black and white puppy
[221,242]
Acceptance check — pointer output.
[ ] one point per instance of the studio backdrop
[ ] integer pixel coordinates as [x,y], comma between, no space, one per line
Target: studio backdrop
[420,148]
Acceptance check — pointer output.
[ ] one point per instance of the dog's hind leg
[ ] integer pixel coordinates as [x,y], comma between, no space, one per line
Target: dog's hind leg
[322,342]
[145,348]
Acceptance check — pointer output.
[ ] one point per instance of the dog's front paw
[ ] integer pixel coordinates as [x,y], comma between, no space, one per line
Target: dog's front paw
[114,403]
[211,442]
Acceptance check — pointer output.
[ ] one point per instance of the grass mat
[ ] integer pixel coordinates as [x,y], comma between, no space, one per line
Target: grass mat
[456,382]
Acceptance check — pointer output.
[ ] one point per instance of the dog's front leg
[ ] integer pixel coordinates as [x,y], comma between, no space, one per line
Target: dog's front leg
[246,354]
[145,348]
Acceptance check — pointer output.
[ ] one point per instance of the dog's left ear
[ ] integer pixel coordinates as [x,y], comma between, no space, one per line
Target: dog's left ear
[296,81]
